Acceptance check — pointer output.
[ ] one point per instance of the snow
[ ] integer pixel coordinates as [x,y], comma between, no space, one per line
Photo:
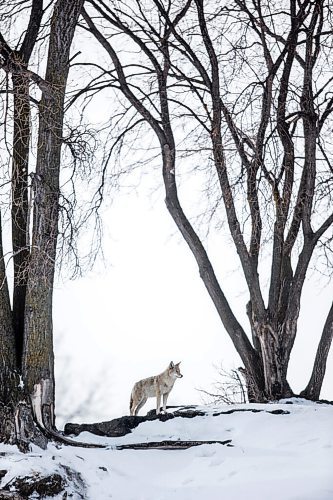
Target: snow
[275,457]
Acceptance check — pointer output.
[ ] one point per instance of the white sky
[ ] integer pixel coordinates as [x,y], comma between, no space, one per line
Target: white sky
[147,305]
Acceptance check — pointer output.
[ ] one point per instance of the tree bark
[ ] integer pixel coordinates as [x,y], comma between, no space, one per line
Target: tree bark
[312,390]
[38,357]
[16,423]
[275,360]
[7,342]
[20,212]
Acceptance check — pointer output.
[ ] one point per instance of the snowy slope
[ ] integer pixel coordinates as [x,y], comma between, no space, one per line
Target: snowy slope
[274,457]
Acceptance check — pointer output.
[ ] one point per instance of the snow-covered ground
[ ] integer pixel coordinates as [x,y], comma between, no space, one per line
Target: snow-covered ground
[274,457]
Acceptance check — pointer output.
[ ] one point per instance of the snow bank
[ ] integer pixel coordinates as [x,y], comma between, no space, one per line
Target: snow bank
[275,457]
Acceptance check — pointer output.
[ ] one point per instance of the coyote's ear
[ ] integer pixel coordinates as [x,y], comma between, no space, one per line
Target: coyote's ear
[177,364]
[171,365]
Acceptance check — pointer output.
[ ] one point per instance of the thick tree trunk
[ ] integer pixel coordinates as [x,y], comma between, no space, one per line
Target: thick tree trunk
[16,422]
[271,337]
[17,425]
[20,212]
[275,363]
[38,362]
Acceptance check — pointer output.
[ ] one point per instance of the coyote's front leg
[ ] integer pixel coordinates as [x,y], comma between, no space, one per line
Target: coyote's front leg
[165,398]
[158,402]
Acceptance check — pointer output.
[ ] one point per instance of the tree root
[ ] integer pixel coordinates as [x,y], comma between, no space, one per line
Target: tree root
[168,445]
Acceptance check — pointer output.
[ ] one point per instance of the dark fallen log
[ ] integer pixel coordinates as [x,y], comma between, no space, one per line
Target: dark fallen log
[324,402]
[124,425]
[168,445]
[112,428]
[252,410]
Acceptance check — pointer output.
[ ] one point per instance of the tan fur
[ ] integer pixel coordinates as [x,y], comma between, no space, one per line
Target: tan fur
[154,387]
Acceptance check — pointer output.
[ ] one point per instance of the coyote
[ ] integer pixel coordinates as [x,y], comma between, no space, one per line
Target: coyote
[154,387]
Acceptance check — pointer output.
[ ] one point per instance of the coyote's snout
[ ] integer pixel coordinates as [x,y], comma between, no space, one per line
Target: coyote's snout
[154,387]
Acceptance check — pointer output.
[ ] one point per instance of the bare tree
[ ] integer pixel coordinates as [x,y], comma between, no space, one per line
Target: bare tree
[244,91]
[228,389]
[26,344]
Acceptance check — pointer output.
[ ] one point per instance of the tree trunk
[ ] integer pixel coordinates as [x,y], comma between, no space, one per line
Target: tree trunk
[312,390]
[38,357]
[20,212]
[275,363]
[7,342]
[16,423]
